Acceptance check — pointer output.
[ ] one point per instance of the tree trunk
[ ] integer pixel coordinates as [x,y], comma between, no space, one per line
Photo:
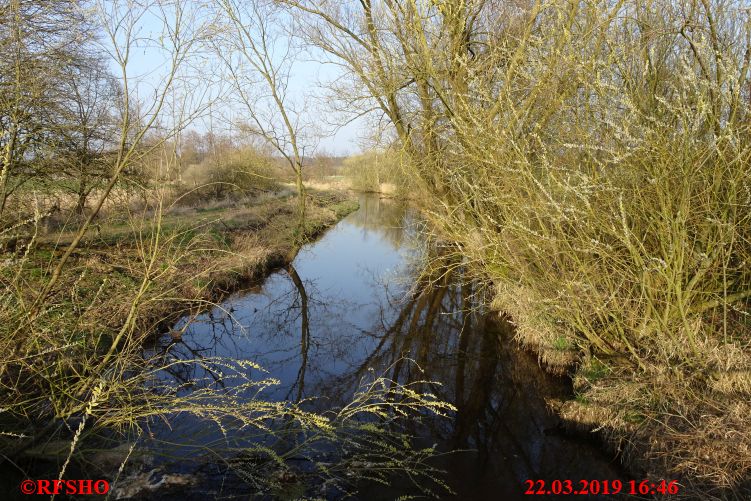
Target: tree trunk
[300,198]
[81,203]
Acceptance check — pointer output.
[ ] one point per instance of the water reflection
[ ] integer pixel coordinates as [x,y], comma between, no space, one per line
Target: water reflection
[304,333]
[502,427]
[343,308]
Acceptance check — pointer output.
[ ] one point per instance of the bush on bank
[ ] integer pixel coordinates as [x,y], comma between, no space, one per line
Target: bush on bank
[592,160]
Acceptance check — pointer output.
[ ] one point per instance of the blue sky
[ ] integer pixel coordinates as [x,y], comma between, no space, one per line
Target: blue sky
[148,67]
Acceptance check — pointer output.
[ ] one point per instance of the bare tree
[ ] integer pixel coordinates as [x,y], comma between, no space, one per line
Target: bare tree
[87,126]
[373,42]
[259,57]
[37,40]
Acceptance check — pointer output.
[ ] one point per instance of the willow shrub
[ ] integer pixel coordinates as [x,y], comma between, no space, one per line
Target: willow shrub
[594,163]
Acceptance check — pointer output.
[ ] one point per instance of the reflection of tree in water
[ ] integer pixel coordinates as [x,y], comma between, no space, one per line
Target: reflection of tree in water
[304,332]
[441,333]
[390,218]
[277,329]
[441,320]
[200,350]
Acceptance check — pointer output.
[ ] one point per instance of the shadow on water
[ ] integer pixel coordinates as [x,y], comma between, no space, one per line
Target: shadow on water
[347,306]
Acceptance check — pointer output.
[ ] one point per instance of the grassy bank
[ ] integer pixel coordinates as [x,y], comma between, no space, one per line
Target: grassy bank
[131,275]
[208,251]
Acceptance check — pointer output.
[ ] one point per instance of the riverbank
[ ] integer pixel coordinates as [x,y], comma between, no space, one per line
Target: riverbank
[663,421]
[126,280]
[669,396]
[205,252]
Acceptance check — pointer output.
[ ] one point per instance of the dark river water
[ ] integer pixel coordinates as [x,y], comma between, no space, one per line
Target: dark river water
[348,307]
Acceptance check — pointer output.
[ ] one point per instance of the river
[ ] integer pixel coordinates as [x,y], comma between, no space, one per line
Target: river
[343,310]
